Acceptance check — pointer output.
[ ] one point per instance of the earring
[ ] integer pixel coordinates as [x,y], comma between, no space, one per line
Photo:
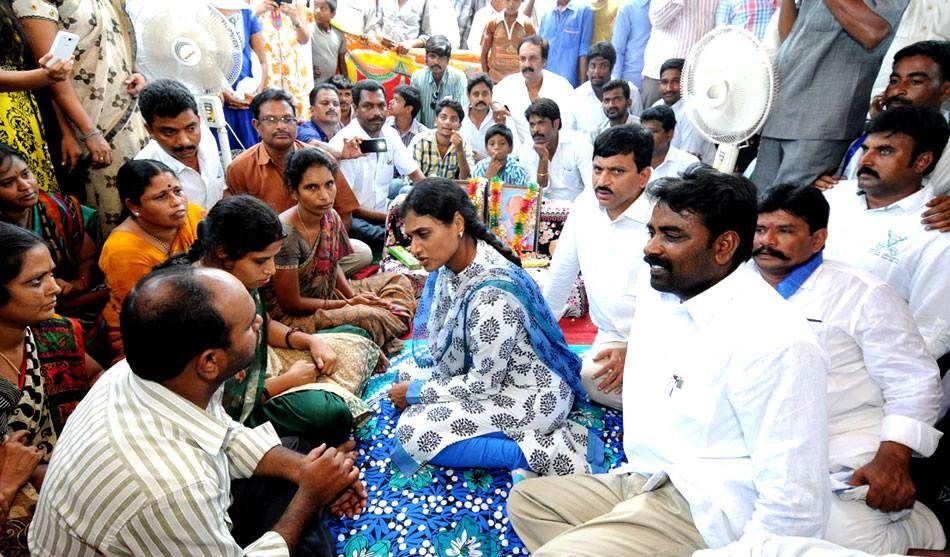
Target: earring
[461,233]
[137,214]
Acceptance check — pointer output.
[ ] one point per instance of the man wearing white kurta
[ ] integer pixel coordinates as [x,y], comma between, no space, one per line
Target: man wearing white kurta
[724,404]
[558,159]
[610,221]
[479,116]
[371,175]
[513,93]
[667,160]
[875,223]
[587,100]
[883,385]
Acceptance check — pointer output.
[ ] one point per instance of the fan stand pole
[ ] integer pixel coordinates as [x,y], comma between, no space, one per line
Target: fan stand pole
[212,111]
[726,156]
[225,147]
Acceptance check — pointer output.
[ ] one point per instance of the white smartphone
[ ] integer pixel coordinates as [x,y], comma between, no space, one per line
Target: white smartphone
[63,47]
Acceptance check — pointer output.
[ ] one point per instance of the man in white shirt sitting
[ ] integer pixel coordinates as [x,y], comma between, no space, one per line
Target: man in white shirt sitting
[875,223]
[516,91]
[371,175]
[588,102]
[724,402]
[883,385]
[481,114]
[687,137]
[667,160]
[919,76]
[145,466]
[599,229]
[171,118]
[615,107]
[558,159]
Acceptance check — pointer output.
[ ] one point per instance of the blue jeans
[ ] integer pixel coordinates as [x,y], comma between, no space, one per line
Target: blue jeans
[399,186]
[372,234]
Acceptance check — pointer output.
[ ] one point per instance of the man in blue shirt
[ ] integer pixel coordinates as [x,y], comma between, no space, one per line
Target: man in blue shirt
[324,116]
[568,29]
[631,32]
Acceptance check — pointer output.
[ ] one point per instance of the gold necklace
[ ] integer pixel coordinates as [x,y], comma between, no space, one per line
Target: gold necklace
[305,227]
[15,368]
[161,242]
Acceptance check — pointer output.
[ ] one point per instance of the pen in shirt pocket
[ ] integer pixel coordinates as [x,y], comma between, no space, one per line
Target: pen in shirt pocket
[676,382]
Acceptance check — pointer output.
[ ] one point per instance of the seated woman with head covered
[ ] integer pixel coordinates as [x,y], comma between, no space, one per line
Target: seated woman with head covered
[494,380]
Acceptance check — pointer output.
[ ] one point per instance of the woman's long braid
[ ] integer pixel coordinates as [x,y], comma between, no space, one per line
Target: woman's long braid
[479,231]
[441,199]
[194,253]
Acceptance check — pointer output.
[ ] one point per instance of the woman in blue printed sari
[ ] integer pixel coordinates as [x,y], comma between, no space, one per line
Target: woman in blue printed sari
[493,380]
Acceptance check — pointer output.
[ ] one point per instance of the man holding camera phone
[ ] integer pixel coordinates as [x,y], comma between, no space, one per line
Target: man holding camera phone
[372,174]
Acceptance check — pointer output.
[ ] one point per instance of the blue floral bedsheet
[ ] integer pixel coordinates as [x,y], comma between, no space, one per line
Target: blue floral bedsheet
[439,511]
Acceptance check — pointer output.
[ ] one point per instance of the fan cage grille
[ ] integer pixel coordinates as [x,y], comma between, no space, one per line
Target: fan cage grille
[753,84]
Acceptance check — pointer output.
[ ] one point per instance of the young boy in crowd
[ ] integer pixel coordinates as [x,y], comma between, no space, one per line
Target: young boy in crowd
[441,151]
[402,110]
[500,162]
[501,38]
[327,44]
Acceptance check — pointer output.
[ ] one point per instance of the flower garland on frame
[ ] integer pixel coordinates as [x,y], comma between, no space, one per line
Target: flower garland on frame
[476,193]
[516,242]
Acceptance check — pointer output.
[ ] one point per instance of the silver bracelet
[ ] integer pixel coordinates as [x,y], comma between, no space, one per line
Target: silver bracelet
[85,136]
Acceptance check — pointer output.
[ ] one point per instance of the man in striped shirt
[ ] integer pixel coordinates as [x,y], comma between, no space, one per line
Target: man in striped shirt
[144,466]
[677,25]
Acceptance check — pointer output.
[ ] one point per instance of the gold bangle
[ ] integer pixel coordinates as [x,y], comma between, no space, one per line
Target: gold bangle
[542,174]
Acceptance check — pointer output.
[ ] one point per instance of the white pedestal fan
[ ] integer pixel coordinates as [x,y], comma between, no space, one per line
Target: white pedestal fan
[729,84]
[192,42]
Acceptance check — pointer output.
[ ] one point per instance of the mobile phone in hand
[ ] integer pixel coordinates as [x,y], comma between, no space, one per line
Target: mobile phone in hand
[63,47]
[377,145]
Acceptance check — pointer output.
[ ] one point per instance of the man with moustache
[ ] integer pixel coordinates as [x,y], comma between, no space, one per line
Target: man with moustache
[598,230]
[259,171]
[559,159]
[151,463]
[724,418]
[372,174]
[883,385]
[919,77]
[615,107]
[588,100]
[438,79]
[667,160]
[687,137]
[324,120]
[482,114]
[875,223]
[171,118]
[517,91]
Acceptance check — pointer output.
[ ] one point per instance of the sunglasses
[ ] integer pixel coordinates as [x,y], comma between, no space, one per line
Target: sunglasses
[436,99]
